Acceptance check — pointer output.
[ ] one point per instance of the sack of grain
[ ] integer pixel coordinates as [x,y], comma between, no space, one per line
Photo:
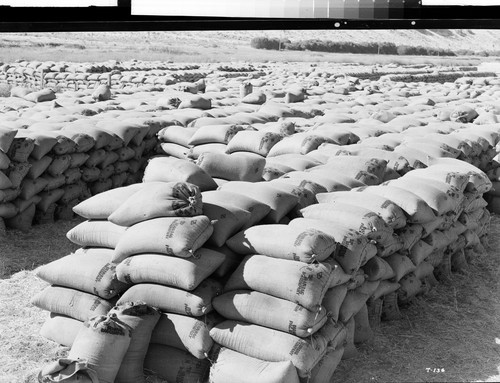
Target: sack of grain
[415,207]
[478,180]
[140,319]
[73,303]
[355,217]
[410,286]
[392,214]
[442,202]
[255,98]
[6,138]
[276,276]
[102,138]
[410,235]
[41,95]
[268,311]
[355,249]
[159,199]
[214,134]
[87,270]
[294,161]
[362,329]
[400,264]
[96,233]
[306,196]
[257,209]
[196,102]
[102,343]
[20,149]
[43,144]
[101,206]
[175,365]
[271,345]
[279,201]
[326,180]
[463,113]
[231,366]
[61,329]
[378,269]
[333,301]
[352,304]
[177,135]
[350,350]
[252,141]
[233,167]
[23,220]
[195,303]
[350,176]
[167,235]
[184,333]
[182,273]
[375,166]
[305,245]
[168,169]
[325,368]
[299,143]
[226,220]
[126,131]
[102,93]
[5,182]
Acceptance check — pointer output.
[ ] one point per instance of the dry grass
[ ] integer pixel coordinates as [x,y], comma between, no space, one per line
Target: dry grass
[455,326]
[22,350]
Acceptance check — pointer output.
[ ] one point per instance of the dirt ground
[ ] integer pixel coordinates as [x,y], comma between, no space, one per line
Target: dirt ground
[450,335]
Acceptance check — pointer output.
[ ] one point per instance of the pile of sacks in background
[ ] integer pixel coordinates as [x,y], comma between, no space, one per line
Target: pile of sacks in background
[50,166]
[307,263]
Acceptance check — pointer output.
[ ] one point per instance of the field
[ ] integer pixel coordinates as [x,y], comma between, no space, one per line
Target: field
[450,334]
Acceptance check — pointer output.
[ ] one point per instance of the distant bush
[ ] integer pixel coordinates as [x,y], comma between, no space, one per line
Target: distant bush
[316,45]
[265,43]
[465,52]
[482,54]
[388,49]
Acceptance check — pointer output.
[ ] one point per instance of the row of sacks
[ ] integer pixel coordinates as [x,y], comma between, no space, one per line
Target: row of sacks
[115,79]
[394,142]
[381,269]
[476,145]
[88,68]
[52,158]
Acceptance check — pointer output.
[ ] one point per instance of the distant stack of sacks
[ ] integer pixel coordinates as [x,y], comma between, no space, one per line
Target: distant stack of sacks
[51,166]
[140,243]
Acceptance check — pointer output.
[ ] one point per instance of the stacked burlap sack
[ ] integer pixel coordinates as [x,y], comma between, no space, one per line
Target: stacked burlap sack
[140,243]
